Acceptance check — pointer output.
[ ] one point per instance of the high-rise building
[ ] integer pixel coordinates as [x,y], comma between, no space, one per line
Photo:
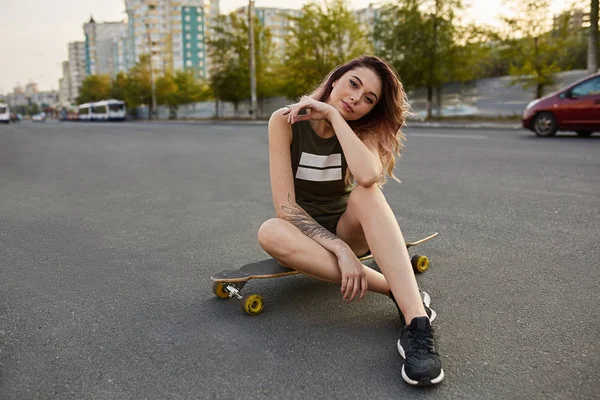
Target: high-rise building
[173,32]
[64,85]
[100,39]
[77,63]
[276,20]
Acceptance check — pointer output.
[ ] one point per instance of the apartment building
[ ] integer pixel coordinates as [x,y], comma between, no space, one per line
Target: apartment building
[100,39]
[30,94]
[173,32]
[276,20]
[77,65]
[64,85]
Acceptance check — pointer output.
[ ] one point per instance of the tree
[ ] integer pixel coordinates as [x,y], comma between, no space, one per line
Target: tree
[229,50]
[94,88]
[138,87]
[421,39]
[166,94]
[118,85]
[531,46]
[320,39]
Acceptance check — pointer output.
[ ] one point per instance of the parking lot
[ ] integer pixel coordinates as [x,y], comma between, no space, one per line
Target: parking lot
[109,234]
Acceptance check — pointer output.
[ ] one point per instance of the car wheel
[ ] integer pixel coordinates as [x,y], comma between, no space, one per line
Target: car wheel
[584,133]
[544,124]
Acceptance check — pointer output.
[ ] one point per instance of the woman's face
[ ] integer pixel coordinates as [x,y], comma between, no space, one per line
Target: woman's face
[356,93]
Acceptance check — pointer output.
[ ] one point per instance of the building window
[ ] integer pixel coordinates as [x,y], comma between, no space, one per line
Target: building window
[188,63]
[199,36]
[188,36]
[187,18]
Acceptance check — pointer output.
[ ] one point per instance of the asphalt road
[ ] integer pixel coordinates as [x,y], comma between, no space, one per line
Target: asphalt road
[109,234]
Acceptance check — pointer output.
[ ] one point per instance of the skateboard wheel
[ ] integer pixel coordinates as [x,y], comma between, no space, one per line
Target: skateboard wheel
[420,263]
[219,290]
[252,304]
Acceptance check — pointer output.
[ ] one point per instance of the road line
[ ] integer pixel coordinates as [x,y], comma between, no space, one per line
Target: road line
[446,135]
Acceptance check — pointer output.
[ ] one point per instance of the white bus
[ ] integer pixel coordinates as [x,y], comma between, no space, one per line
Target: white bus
[4,113]
[108,110]
[84,112]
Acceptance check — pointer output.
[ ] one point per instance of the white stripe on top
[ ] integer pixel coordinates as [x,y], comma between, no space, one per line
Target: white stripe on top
[316,161]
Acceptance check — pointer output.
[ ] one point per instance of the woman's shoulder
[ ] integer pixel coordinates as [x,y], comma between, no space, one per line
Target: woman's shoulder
[279,116]
[279,126]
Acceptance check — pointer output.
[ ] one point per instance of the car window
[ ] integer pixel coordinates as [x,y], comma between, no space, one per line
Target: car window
[588,88]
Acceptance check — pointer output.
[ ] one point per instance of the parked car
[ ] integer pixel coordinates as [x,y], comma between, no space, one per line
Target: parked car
[575,107]
[4,113]
[41,117]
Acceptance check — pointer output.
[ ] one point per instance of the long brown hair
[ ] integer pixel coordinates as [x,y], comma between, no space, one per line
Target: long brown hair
[384,122]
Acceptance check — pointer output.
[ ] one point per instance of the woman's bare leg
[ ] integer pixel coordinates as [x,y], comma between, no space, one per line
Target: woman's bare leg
[284,242]
[369,218]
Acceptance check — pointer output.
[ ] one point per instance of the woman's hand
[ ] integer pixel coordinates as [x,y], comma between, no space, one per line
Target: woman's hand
[354,280]
[315,110]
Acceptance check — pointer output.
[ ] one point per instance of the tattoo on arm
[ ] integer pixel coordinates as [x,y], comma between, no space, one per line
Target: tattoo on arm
[301,220]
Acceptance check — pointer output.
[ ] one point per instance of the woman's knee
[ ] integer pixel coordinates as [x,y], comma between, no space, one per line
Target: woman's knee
[272,235]
[366,197]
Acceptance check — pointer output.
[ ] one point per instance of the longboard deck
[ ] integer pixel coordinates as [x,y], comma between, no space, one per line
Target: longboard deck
[270,268]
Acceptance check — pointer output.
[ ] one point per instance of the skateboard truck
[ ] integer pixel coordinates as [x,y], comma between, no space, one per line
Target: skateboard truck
[232,290]
[252,304]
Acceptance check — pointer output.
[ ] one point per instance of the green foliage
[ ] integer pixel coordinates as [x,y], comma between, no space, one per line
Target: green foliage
[94,88]
[530,46]
[229,50]
[320,39]
[420,38]
[117,86]
[181,88]
[138,86]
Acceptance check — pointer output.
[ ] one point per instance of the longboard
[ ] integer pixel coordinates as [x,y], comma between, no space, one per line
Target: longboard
[229,283]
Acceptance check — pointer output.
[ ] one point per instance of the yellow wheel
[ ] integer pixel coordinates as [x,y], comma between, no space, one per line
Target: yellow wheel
[219,290]
[420,263]
[252,304]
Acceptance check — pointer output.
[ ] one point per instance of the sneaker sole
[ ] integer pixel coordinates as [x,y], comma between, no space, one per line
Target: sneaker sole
[426,298]
[422,381]
[433,315]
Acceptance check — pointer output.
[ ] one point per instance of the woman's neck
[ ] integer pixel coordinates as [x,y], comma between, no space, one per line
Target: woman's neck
[323,128]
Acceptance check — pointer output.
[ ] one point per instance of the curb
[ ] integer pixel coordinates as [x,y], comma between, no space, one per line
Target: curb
[409,124]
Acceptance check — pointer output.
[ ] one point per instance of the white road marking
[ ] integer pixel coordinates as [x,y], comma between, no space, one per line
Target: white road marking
[446,135]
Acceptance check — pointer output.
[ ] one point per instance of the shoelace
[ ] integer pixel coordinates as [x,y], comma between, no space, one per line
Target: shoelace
[421,341]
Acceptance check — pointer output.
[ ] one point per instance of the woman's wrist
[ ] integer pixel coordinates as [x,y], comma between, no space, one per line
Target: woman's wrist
[342,250]
[332,114]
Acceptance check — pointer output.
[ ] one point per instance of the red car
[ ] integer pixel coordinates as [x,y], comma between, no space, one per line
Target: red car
[573,108]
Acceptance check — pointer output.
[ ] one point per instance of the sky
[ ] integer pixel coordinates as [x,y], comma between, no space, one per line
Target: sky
[35,33]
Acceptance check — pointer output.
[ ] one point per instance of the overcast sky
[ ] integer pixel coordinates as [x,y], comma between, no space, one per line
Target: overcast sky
[34,33]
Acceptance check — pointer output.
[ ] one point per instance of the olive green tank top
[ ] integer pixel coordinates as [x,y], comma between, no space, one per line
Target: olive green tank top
[319,168]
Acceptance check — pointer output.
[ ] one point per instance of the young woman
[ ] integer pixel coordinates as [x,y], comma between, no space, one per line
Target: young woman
[329,154]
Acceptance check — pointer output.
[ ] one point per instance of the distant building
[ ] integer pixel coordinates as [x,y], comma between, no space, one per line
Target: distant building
[64,85]
[100,40]
[31,95]
[367,17]
[276,20]
[173,32]
[77,64]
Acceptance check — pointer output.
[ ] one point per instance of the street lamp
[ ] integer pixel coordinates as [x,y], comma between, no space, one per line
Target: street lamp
[253,108]
[152,84]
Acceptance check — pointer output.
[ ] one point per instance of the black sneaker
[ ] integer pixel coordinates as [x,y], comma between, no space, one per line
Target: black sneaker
[422,365]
